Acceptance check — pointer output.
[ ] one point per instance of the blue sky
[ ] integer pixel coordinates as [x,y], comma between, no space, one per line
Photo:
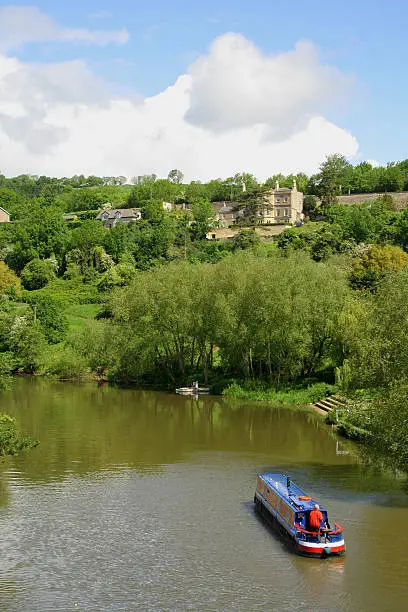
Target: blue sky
[366,42]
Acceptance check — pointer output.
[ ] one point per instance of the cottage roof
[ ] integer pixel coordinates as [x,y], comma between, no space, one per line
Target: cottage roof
[124,213]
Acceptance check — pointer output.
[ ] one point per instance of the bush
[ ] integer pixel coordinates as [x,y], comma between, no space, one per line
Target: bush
[10,441]
[73,291]
[9,282]
[290,395]
[49,313]
[68,365]
[37,273]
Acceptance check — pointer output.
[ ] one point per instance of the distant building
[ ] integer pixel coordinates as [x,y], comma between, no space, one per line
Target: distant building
[226,213]
[4,215]
[280,205]
[112,216]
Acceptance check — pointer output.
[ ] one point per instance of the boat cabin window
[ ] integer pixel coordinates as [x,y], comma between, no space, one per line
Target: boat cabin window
[301,520]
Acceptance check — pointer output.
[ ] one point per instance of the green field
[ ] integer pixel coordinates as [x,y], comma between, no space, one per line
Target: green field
[79,314]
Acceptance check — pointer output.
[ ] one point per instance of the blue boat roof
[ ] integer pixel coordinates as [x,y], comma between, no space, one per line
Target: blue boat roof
[292,495]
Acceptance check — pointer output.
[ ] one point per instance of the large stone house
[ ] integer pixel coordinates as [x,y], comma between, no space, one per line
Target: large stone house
[282,205]
[279,205]
[112,216]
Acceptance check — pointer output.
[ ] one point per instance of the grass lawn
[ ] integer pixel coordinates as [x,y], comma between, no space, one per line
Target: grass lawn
[79,314]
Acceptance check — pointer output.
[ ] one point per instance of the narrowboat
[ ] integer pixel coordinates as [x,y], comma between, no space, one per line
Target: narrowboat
[283,503]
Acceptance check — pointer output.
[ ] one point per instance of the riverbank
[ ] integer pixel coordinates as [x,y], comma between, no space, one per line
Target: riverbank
[289,395]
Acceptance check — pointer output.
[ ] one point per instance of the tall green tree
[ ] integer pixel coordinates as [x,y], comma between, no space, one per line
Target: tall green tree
[331,178]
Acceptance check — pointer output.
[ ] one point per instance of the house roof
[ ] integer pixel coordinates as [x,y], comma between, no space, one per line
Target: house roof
[125,213]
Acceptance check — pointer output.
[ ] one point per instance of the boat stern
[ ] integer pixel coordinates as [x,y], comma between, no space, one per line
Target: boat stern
[321,550]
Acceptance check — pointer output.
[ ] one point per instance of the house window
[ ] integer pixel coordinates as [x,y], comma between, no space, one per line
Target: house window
[278,199]
[278,212]
[286,212]
[285,199]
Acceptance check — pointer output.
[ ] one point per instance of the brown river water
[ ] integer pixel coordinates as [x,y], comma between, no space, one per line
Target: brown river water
[143,501]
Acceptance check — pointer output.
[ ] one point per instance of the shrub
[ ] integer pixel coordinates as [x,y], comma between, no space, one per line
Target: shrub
[49,313]
[68,365]
[37,273]
[10,441]
[9,282]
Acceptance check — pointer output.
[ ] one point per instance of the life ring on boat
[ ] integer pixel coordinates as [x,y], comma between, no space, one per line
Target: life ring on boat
[304,498]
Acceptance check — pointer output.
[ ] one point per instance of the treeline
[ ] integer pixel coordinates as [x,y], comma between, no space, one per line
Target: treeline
[80,193]
[326,302]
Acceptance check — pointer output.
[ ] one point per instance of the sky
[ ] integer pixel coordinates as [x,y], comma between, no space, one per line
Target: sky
[212,88]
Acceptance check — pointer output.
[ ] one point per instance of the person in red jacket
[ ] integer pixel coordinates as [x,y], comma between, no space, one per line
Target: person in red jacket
[315,519]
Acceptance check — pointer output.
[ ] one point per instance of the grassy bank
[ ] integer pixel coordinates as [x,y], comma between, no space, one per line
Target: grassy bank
[293,395]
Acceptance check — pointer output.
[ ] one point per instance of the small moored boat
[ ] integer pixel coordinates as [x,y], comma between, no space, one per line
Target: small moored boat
[194,390]
[282,502]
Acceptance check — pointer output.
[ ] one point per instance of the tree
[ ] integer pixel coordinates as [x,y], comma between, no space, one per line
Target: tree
[370,268]
[175,176]
[245,239]
[331,178]
[27,342]
[84,239]
[37,273]
[203,213]
[40,233]
[50,315]
[8,279]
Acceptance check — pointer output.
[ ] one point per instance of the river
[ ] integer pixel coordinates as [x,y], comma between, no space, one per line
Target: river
[140,500]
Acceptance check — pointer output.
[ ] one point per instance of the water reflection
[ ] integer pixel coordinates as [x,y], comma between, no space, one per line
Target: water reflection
[138,500]
[84,429]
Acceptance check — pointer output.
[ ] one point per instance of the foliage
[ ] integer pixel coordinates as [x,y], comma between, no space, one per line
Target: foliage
[319,240]
[388,426]
[245,239]
[204,217]
[11,443]
[377,348]
[9,280]
[26,340]
[374,263]
[270,318]
[175,176]
[48,311]
[117,276]
[39,233]
[68,365]
[362,223]
[37,273]
[65,292]
[330,179]
[287,396]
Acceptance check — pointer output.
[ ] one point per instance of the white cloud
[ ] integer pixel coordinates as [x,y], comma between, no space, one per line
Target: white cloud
[237,86]
[27,24]
[60,120]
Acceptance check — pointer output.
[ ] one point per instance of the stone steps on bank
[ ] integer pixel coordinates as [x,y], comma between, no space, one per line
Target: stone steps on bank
[329,403]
